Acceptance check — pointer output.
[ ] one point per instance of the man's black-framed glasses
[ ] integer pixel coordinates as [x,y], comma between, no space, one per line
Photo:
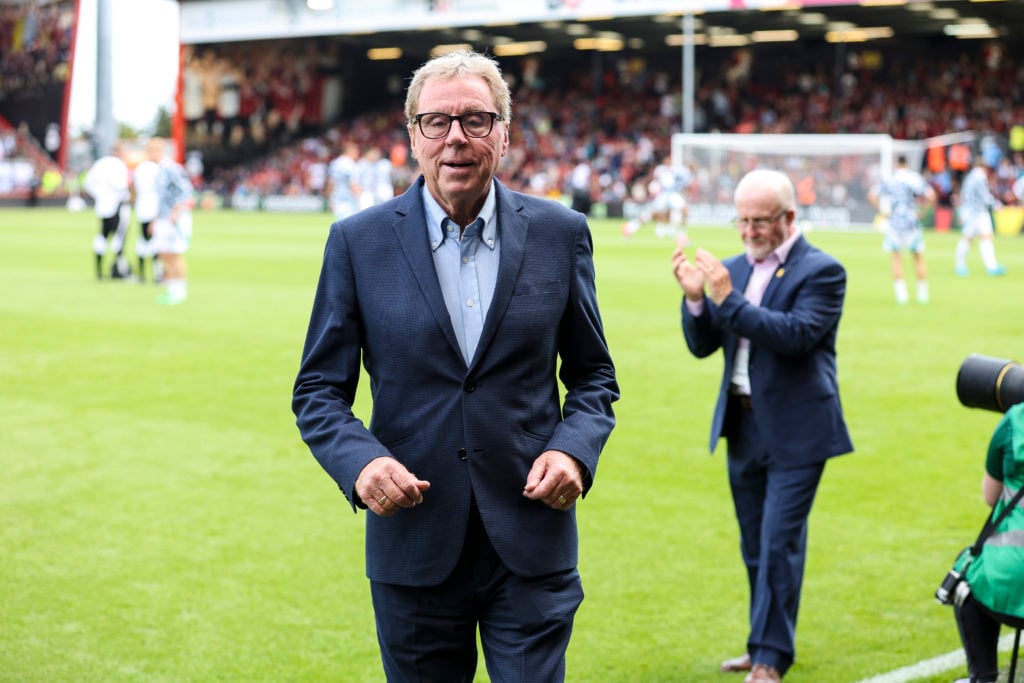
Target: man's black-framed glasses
[475,124]
[759,223]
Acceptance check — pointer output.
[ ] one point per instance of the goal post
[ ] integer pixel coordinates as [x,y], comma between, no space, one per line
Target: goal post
[832,173]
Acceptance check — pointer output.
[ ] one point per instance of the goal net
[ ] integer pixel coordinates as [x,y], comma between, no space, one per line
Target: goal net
[832,174]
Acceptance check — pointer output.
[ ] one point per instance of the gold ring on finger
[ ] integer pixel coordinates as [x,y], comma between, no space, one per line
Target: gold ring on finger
[382,501]
[561,499]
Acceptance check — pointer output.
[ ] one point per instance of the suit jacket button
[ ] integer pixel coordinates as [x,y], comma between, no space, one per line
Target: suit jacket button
[469,387]
[462,454]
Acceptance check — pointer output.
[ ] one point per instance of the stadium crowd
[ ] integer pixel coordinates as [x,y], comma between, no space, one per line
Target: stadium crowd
[35,59]
[619,123]
[35,46]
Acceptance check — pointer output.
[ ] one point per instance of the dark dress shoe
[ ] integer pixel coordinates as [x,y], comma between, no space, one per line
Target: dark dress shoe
[762,673]
[741,663]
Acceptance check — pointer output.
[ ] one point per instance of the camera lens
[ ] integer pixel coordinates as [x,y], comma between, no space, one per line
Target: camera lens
[990,383]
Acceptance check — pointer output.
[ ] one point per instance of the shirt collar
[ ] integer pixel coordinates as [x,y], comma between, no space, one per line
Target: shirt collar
[437,220]
[781,252]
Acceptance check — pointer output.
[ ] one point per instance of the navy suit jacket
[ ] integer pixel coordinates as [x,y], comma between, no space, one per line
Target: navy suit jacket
[471,431]
[792,365]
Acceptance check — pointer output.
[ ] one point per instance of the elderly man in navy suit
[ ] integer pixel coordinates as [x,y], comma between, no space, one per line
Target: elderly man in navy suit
[466,303]
[778,404]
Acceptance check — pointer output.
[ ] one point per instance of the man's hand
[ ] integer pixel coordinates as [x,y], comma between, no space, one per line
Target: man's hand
[555,479]
[689,276]
[385,485]
[715,274]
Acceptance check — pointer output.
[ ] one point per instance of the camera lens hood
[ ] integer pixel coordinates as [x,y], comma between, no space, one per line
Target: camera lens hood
[990,383]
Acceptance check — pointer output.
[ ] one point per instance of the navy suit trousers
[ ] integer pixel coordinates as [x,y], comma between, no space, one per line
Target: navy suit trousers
[772,505]
[428,634]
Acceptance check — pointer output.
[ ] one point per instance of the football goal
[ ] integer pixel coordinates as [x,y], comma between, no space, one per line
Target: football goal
[832,174]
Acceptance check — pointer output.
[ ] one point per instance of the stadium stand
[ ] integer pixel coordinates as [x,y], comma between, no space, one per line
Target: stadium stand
[265,116]
[35,57]
[621,119]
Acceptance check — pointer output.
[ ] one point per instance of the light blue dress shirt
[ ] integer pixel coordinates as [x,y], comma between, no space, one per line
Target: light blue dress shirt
[467,267]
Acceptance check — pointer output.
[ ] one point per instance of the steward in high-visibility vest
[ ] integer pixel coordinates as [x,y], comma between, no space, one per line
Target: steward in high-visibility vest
[960,157]
[936,158]
[1017,138]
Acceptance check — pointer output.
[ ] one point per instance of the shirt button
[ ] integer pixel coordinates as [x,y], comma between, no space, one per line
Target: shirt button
[465,259]
[469,303]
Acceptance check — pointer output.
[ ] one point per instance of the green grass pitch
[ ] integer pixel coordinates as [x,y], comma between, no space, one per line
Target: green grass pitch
[161,520]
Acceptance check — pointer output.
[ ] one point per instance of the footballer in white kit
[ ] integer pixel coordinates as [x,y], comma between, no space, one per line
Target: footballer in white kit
[666,203]
[107,183]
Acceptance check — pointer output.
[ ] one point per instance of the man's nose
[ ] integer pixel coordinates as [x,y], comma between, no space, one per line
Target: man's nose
[457,126]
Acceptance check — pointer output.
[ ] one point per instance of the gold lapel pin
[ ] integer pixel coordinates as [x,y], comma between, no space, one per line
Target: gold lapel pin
[779,272]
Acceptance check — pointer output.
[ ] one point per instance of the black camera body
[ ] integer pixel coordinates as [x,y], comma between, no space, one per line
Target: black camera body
[990,383]
[953,590]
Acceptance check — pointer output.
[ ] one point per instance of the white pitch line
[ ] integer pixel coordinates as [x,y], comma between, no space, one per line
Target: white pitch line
[933,666]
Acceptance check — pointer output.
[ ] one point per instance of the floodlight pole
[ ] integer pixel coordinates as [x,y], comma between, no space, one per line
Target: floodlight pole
[688,77]
[104,127]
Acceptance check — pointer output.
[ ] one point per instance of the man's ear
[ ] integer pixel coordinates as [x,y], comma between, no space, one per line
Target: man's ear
[412,145]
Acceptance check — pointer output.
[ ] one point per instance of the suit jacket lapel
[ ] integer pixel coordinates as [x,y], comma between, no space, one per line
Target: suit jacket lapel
[513,226]
[411,234]
[739,271]
[792,261]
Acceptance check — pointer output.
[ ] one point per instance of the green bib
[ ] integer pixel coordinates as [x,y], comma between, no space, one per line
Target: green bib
[996,576]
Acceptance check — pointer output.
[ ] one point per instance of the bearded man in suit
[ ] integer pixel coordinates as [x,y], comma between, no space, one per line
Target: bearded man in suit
[774,312]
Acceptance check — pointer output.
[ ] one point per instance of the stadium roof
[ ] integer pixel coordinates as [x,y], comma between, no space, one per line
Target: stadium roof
[841,23]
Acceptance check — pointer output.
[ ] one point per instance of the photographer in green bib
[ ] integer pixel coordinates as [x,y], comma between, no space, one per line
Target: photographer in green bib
[995,576]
